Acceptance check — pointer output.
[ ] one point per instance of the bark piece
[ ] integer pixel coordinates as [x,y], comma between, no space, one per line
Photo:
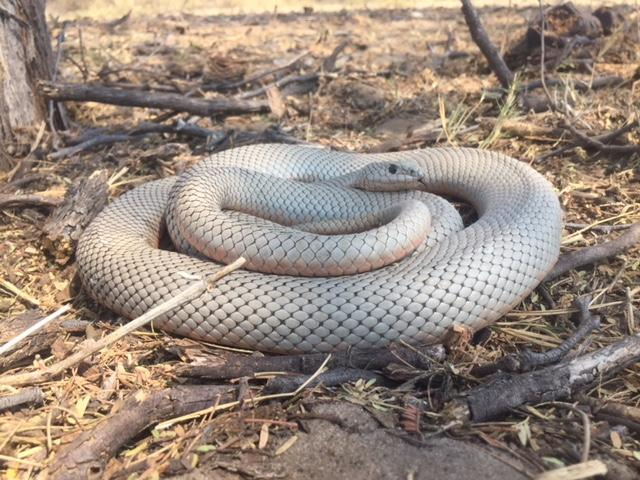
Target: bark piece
[81,204]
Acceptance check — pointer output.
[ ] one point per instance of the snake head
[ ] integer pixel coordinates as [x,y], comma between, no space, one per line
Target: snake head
[389,177]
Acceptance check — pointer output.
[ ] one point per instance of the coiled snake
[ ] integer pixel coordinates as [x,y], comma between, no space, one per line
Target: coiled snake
[468,276]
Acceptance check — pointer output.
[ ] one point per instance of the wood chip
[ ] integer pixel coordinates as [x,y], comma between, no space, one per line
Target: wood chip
[287,445]
[575,472]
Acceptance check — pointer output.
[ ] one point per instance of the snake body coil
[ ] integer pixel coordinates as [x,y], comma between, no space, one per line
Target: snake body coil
[469,276]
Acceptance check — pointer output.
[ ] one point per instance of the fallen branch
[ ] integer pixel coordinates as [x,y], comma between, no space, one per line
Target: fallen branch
[596,253]
[216,140]
[497,397]
[588,142]
[236,366]
[488,49]
[529,360]
[89,347]
[604,139]
[87,455]
[140,98]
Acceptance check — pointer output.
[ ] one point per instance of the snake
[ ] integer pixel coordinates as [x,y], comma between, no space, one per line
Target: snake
[454,274]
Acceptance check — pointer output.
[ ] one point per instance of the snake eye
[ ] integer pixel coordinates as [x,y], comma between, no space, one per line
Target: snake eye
[393,168]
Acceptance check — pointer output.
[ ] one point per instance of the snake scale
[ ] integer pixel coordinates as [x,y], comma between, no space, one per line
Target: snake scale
[467,276]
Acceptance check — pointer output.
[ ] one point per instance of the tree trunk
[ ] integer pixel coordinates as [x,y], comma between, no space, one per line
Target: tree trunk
[25,58]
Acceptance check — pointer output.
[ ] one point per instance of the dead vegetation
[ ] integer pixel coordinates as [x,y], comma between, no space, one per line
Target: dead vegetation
[377,80]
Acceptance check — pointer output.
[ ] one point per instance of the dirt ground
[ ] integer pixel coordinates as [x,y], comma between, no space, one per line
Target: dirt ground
[406,78]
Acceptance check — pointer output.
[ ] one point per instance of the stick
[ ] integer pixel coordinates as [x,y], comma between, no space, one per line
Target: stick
[593,143]
[596,253]
[283,82]
[141,98]
[26,201]
[236,366]
[528,360]
[18,292]
[97,141]
[23,397]
[7,347]
[480,37]
[90,347]
[497,397]
[254,78]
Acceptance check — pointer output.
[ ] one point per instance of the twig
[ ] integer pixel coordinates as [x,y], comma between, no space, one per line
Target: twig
[611,408]
[604,138]
[7,347]
[25,180]
[528,360]
[593,143]
[480,37]
[28,200]
[97,141]
[599,228]
[596,253]
[586,427]
[587,324]
[90,347]
[216,140]
[24,396]
[141,98]
[258,76]
[18,292]
[283,82]
[579,85]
